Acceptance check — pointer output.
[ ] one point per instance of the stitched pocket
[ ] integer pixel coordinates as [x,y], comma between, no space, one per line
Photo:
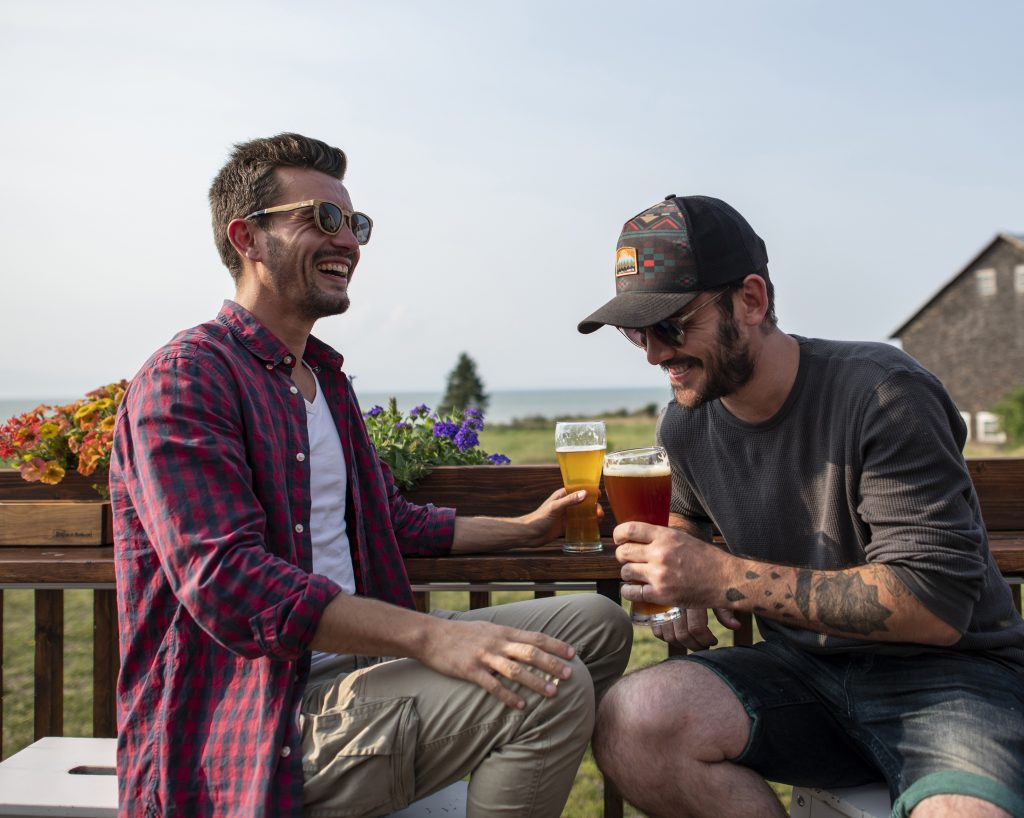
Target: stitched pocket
[358,760]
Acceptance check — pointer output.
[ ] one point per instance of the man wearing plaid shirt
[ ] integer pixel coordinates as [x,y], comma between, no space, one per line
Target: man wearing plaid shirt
[259,546]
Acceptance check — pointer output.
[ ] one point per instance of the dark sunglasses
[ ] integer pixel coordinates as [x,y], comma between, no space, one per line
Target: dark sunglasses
[669,331]
[329,217]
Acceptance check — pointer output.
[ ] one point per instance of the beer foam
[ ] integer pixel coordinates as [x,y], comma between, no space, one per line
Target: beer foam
[569,449]
[637,470]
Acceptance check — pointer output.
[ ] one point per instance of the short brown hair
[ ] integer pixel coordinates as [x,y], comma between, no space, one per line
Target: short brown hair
[247,182]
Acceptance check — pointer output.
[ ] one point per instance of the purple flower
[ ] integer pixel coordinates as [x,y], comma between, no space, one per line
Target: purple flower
[401,424]
[473,419]
[498,459]
[466,438]
[416,411]
[445,428]
[376,410]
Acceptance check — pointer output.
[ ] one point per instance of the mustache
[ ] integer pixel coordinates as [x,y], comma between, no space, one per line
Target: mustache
[682,360]
[320,255]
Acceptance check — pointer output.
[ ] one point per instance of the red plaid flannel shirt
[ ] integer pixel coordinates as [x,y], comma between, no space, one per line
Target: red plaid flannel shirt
[217,601]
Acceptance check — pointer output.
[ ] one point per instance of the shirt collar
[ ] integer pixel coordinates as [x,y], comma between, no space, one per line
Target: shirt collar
[266,346]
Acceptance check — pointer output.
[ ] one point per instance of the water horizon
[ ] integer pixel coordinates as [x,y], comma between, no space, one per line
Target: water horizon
[505,405]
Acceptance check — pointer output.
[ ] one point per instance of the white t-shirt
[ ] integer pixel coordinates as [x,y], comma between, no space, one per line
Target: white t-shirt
[328,481]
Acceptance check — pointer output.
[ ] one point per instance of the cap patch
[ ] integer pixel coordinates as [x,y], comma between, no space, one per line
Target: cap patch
[625,262]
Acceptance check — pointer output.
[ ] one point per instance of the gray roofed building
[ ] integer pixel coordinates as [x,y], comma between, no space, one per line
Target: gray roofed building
[970,333]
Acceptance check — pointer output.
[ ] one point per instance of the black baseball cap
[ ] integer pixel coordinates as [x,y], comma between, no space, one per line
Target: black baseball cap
[673,251]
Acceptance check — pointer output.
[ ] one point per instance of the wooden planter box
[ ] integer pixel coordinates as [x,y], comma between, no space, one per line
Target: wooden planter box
[70,513]
[55,522]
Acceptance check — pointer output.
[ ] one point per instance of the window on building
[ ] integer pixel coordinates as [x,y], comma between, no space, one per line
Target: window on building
[988,430]
[986,281]
[1018,278]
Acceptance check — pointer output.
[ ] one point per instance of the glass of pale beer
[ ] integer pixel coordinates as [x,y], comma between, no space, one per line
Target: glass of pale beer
[580,448]
[638,483]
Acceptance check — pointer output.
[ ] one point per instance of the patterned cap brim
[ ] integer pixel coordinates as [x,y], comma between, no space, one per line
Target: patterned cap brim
[636,309]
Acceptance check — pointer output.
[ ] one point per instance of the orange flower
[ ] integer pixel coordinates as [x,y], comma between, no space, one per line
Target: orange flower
[89,457]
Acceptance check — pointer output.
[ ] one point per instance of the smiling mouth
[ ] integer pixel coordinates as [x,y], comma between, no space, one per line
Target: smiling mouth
[678,370]
[334,269]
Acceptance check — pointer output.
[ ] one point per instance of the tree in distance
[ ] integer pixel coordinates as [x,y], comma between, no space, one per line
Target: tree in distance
[465,389]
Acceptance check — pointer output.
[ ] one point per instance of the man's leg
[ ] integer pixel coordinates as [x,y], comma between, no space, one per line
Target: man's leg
[696,736]
[402,731]
[665,736]
[597,627]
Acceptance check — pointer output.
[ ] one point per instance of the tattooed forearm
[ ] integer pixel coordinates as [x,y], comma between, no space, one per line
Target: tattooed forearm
[845,602]
[892,583]
[802,595]
[735,595]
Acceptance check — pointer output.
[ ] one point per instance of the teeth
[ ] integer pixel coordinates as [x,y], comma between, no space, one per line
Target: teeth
[339,269]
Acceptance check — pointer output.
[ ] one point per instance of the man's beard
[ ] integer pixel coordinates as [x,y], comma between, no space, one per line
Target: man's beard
[314,303]
[730,366]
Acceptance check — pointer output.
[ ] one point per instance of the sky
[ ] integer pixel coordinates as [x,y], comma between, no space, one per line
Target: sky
[875,146]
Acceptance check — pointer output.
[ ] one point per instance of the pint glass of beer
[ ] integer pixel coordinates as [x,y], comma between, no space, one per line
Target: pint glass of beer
[580,448]
[639,486]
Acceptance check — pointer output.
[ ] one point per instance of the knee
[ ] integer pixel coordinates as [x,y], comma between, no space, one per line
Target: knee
[573,704]
[645,708]
[610,624]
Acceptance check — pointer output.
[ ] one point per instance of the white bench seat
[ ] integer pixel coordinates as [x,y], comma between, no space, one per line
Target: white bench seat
[870,801]
[61,777]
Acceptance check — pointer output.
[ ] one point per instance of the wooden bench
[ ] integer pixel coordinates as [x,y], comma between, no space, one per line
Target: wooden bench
[487,490]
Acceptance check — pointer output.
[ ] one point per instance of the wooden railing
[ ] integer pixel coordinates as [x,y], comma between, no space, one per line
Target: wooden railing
[488,490]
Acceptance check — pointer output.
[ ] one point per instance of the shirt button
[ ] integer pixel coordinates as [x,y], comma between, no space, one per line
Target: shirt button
[270,366]
[300,457]
[293,390]
[286,751]
[299,528]
[287,359]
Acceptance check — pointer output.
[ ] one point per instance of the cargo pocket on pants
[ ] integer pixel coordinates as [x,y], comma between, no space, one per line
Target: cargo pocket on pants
[359,760]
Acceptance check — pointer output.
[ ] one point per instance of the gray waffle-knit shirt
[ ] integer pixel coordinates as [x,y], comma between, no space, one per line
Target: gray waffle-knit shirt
[861,464]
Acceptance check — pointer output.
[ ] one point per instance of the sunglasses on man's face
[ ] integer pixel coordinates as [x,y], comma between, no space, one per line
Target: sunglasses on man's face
[329,217]
[669,331]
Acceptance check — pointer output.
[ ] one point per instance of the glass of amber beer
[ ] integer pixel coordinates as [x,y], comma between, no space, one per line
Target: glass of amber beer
[580,448]
[638,483]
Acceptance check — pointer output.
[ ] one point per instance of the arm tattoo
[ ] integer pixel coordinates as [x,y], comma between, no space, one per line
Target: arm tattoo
[847,603]
[802,596]
[734,595]
[892,582]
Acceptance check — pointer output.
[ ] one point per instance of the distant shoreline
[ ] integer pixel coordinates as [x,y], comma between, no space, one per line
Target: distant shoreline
[506,405]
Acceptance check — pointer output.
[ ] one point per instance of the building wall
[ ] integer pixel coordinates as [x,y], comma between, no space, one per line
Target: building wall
[974,343]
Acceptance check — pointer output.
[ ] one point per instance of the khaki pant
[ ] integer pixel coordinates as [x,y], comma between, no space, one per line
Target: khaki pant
[379,737]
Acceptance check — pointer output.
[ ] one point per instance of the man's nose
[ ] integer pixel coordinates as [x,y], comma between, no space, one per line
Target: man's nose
[657,350]
[345,237]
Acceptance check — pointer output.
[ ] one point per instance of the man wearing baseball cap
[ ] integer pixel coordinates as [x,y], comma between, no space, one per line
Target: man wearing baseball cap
[833,471]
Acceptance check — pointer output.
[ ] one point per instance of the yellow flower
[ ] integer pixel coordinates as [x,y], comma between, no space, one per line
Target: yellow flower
[53,473]
[107,424]
[85,415]
[48,431]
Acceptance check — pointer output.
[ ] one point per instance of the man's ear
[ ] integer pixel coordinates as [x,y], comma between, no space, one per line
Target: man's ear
[243,239]
[754,298]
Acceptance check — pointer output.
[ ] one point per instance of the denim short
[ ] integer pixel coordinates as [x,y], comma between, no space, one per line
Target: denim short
[936,722]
